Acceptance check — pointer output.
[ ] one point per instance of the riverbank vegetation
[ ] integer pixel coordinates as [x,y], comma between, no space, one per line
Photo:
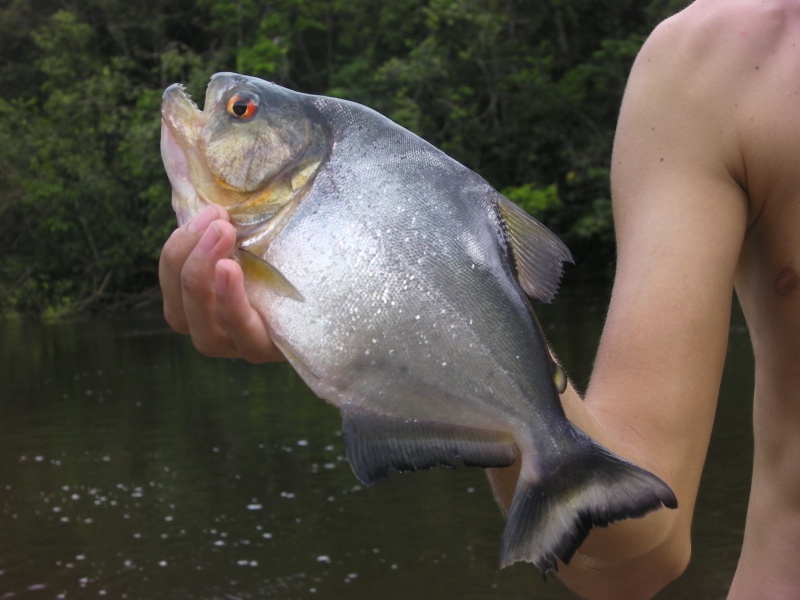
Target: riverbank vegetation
[525,93]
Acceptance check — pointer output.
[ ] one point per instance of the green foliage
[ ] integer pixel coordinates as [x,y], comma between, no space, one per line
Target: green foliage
[85,204]
[524,93]
[535,200]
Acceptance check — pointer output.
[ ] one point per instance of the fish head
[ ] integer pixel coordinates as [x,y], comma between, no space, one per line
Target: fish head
[252,148]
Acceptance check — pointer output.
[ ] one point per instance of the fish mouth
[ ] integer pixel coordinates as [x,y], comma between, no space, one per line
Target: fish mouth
[181,122]
[188,150]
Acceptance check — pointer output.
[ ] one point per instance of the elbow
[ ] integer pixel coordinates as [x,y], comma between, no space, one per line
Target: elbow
[638,577]
[666,564]
[676,562]
[670,559]
[660,569]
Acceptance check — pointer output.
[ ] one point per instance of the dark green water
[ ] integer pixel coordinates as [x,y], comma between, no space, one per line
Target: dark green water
[132,467]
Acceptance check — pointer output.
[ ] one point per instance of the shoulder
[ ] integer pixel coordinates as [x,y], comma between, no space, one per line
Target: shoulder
[745,20]
[727,34]
[708,81]
[728,72]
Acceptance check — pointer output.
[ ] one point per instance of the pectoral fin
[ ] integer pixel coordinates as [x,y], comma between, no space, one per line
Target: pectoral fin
[538,253]
[258,270]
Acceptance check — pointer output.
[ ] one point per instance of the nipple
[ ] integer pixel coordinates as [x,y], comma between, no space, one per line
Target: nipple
[786,281]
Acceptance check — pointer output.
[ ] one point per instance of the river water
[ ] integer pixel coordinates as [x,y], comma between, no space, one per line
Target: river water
[132,467]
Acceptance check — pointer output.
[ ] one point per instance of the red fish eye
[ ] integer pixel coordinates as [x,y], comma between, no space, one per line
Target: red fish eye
[242,106]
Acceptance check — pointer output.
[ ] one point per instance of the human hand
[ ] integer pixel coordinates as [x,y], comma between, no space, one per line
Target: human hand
[204,293]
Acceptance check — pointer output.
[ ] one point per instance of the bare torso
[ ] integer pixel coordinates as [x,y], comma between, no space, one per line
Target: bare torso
[769,290]
[764,106]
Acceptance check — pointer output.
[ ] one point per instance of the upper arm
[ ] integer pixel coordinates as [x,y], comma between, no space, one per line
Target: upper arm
[680,218]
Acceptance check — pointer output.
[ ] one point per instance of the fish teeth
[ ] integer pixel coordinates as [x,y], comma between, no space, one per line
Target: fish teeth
[187,95]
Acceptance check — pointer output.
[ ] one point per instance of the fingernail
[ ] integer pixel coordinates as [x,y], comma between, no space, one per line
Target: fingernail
[209,239]
[203,219]
[220,280]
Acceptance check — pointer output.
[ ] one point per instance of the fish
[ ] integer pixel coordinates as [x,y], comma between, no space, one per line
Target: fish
[398,284]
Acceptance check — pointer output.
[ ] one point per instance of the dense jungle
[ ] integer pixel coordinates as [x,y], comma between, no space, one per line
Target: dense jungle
[525,93]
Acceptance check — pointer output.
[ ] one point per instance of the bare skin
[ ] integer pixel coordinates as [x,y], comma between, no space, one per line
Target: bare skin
[204,294]
[706,192]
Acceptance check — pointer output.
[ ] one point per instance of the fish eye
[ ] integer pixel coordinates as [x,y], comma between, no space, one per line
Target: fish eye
[242,105]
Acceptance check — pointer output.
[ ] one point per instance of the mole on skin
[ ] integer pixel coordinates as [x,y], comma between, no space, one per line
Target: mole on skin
[786,281]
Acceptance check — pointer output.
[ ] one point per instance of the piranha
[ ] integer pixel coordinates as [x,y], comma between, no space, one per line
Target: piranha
[397,283]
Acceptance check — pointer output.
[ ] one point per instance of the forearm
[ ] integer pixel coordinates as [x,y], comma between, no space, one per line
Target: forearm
[637,557]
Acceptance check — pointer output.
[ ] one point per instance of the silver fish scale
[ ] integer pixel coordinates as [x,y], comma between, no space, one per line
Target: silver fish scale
[416,273]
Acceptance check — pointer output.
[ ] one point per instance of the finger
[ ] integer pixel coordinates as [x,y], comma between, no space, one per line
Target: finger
[199,295]
[243,323]
[205,217]
[173,256]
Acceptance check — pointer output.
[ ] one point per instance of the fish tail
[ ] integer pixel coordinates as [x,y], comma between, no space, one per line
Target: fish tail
[550,517]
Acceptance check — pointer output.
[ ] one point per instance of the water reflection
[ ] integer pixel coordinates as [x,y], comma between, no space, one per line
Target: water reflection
[132,467]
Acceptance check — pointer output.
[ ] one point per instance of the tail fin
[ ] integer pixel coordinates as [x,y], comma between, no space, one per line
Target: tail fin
[549,518]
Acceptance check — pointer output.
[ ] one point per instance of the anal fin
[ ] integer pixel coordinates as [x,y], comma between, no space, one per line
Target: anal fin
[377,444]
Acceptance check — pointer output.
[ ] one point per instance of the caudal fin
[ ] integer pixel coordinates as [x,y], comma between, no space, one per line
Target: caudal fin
[549,518]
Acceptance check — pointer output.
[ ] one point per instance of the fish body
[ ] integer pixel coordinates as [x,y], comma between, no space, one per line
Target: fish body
[396,282]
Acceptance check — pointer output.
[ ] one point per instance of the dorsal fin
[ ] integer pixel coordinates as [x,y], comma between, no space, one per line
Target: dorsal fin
[538,253]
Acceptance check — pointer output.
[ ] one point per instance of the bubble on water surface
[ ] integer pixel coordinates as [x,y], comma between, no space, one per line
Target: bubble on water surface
[247,563]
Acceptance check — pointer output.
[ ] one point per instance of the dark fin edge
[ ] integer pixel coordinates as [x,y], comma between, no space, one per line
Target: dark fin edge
[549,519]
[538,253]
[376,444]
